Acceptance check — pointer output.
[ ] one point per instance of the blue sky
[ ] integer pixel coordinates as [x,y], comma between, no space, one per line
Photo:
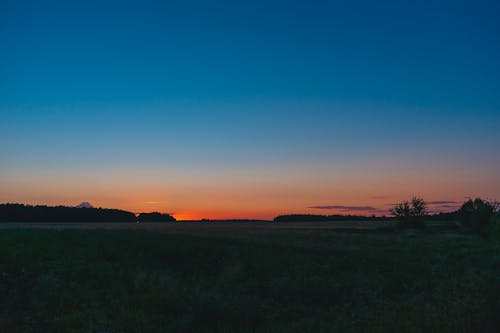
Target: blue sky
[248,85]
[429,54]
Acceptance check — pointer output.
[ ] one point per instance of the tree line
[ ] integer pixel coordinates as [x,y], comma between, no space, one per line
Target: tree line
[327,218]
[41,213]
[475,215]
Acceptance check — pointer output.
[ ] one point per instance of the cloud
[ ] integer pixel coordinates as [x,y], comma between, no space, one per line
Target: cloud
[346,208]
[444,208]
[447,206]
[434,203]
[443,202]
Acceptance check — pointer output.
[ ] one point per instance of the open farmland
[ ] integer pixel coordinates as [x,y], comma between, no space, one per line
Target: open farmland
[305,234]
[246,277]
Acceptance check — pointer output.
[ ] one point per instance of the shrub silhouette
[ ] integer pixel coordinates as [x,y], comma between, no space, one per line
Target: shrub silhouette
[410,214]
[155,217]
[478,216]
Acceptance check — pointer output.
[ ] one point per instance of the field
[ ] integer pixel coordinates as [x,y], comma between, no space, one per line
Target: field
[245,277]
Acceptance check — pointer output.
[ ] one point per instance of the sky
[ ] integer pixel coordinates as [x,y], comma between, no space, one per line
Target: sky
[249,109]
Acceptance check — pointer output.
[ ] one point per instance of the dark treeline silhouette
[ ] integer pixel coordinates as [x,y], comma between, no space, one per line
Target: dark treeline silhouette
[27,213]
[452,216]
[328,218]
[155,217]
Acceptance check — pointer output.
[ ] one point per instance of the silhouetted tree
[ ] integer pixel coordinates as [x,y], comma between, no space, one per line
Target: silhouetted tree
[478,215]
[411,214]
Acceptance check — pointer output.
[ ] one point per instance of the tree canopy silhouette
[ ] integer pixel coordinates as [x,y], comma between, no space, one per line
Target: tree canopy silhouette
[478,215]
[155,217]
[28,213]
[411,214]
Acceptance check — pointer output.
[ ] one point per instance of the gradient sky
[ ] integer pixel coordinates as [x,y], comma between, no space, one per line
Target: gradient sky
[249,109]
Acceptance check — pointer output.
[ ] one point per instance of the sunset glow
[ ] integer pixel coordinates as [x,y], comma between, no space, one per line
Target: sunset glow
[223,195]
[233,112]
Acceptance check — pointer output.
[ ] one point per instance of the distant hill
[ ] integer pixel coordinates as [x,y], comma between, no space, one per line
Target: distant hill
[84,204]
[155,217]
[27,213]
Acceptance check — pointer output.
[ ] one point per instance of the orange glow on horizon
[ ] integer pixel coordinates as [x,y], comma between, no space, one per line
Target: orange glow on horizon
[221,215]
[186,216]
[248,193]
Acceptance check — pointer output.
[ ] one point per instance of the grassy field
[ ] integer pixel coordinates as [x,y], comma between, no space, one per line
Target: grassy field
[246,278]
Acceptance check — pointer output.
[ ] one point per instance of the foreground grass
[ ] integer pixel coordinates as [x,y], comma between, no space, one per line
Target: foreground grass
[125,281]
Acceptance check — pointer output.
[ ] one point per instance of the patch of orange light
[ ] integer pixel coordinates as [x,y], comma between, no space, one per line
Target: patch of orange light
[186,216]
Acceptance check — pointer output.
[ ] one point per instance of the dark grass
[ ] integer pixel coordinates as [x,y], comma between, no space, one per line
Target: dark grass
[131,281]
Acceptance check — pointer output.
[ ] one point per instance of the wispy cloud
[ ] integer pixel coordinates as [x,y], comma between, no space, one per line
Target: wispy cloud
[447,206]
[346,208]
[435,203]
[443,206]
[443,202]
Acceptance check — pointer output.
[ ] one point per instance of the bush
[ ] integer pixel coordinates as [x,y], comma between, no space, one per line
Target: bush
[478,216]
[411,214]
[155,217]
